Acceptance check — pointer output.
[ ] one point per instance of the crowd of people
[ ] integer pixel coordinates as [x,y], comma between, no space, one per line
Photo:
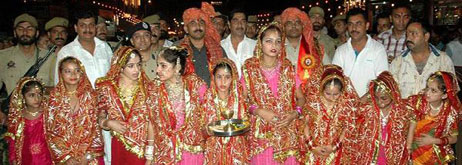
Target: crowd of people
[389,98]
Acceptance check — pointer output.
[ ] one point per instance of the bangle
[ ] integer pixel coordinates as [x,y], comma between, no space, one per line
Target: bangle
[252,109]
[149,153]
[299,110]
[444,141]
[337,146]
[309,141]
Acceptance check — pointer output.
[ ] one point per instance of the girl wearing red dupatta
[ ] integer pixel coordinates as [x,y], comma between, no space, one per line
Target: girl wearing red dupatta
[26,128]
[436,113]
[381,133]
[124,110]
[177,114]
[270,85]
[72,128]
[330,99]
[225,92]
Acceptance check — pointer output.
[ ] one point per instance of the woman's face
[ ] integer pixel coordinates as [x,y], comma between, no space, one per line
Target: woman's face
[33,97]
[331,93]
[223,79]
[433,92]
[132,69]
[383,99]
[165,70]
[71,73]
[271,43]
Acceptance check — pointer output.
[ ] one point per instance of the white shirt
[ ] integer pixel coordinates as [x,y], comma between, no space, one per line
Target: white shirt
[244,51]
[454,50]
[361,69]
[96,65]
[405,72]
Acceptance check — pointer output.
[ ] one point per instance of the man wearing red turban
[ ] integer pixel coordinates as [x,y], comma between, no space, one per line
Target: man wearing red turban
[202,41]
[302,50]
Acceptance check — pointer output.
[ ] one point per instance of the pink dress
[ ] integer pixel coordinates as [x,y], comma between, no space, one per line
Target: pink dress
[179,106]
[266,157]
[382,158]
[35,148]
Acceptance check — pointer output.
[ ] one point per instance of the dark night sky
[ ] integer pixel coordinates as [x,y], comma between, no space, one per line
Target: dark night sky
[170,8]
[176,7]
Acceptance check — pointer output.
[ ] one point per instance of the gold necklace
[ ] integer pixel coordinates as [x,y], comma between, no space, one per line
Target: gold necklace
[175,90]
[127,94]
[271,66]
[34,114]
[434,111]
[70,93]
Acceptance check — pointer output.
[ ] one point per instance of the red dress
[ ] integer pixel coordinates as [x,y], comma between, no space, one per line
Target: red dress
[129,147]
[26,138]
[74,132]
[226,150]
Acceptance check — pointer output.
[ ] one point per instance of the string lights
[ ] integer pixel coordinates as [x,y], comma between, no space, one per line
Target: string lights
[120,14]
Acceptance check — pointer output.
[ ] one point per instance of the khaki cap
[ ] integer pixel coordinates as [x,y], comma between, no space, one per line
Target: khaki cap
[252,19]
[152,19]
[25,18]
[56,21]
[338,17]
[100,20]
[316,10]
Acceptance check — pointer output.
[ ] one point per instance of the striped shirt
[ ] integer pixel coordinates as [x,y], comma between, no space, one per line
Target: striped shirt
[393,47]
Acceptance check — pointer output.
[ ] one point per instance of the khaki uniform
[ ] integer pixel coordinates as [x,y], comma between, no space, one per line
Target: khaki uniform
[328,43]
[150,65]
[14,64]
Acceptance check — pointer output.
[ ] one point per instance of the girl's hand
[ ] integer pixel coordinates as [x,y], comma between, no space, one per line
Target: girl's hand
[426,139]
[117,126]
[287,120]
[267,115]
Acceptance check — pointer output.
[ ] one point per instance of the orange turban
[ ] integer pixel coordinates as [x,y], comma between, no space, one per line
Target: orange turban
[211,39]
[293,13]
[310,46]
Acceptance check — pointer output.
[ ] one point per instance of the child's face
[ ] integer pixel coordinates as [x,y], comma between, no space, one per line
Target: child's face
[33,97]
[383,99]
[433,92]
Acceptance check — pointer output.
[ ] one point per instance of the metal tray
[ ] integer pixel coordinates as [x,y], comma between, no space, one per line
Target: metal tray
[239,125]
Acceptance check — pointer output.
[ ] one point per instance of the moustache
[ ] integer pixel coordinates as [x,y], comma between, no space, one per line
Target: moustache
[409,42]
[155,36]
[316,24]
[24,37]
[87,32]
[198,31]
[102,34]
[354,32]
[56,39]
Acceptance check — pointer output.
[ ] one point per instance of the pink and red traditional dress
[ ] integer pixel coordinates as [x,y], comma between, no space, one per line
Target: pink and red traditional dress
[178,123]
[26,138]
[273,90]
[129,147]
[225,150]
[442,125]
[377,138]
[73,131]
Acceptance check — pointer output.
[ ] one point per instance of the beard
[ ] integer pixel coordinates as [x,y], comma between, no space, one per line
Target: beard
[163,35]
[317,27]
[26,40]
